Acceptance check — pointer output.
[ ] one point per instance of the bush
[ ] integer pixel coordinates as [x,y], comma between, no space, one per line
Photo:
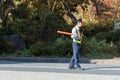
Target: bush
[53,22]
[118,46]
[25,53]
[61,47]
[94,48]
[40,49]
[109,36]
[4,47]
[92,28]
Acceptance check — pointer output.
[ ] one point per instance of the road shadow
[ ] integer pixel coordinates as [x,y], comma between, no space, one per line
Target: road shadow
[95,68]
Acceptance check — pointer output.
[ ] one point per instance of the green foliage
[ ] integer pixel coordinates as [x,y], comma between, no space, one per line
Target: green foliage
[22,11]
[53,22]
[5,16]
[38,20]
[25,53]
[99,55]
[40,49]
[3,46]
[60,47]
[113,36]
[118,45]
[72,4]
[100,48]
[92,28]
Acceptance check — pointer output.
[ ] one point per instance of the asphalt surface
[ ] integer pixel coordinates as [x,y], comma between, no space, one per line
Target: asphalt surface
[27,68]
[57,71]
[99,69]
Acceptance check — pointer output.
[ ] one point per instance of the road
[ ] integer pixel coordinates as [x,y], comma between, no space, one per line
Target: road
[10,70]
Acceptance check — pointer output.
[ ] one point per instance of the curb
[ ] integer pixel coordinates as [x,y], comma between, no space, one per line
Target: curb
[59,60]
[105,61]
[41,59]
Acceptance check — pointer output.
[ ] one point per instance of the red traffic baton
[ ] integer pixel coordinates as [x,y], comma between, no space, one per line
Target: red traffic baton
[64,32]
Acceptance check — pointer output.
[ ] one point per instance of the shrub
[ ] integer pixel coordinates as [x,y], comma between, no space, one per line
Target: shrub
[92,28]
[118,46]
[4,47]
[25,52]
[53,22]
[91,46]
[40,49]
[109,36]
[62,47]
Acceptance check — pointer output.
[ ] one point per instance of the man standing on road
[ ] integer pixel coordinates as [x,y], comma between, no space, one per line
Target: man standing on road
[77,38]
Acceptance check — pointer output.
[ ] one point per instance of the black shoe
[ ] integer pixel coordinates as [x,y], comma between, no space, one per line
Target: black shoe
[83,69]
[79,68]
[71,67]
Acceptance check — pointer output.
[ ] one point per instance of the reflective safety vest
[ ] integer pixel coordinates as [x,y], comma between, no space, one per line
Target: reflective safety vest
[77,41]
[80,36]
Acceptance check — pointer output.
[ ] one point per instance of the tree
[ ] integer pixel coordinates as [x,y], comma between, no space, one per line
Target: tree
[5,8]
[70,6]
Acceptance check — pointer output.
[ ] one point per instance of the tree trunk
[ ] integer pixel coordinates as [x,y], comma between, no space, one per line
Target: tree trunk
[97,9]
[73,18]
